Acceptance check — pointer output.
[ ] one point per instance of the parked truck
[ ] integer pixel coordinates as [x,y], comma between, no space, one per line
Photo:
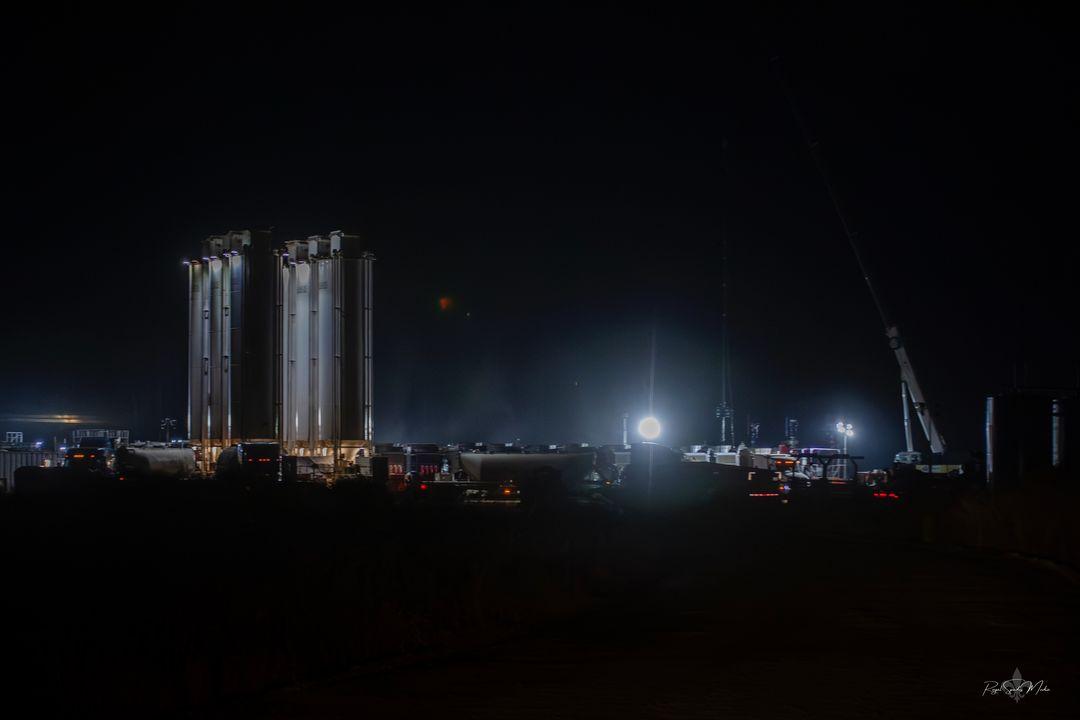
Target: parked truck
[250,464]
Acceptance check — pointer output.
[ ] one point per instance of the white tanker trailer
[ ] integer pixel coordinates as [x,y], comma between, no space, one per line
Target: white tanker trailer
[509,471]
[160,463]
[507,476]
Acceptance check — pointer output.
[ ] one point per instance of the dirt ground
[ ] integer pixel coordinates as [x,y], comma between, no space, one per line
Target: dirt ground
[774,612]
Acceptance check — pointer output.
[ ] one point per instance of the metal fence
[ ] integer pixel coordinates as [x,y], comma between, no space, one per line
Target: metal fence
[11,461]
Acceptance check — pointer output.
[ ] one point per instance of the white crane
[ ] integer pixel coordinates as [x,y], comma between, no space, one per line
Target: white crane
[909,384]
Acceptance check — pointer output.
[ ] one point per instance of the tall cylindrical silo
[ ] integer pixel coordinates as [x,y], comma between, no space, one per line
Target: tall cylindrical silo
[196,392]
[354,393]
[257,317]
[218,330]
[280,343]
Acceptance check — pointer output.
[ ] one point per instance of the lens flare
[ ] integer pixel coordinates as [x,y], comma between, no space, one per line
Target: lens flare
[649,428]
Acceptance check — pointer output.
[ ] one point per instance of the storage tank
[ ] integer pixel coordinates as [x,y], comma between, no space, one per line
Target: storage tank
[157,463]
[326,363]
[1019,430]
[232,306]
[1065,449]
[254,411]
[280,344]
[501,468]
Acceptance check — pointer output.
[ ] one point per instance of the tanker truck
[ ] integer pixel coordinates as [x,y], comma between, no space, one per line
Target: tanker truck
[540,478]
[156,463]
[97,469]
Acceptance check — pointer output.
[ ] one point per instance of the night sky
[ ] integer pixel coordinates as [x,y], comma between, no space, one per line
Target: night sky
[564,180]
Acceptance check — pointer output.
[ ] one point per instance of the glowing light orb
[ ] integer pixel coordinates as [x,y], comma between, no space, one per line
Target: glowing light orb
[649,428]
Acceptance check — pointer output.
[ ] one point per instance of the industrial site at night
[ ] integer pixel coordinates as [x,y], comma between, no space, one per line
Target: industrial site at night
[506,363]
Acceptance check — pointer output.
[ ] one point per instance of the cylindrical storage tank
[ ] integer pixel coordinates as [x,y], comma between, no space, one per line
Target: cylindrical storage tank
[313,329]
[196,392]
[502,468]
[204,414]
[288,359]
[280,344]
[217,331]
[258,317]
[324,413]
[1018,438]
[1057,430]
[1034,434]
[229,340]
[992,430]
[302,355]
[1003,455]
[356,382]
[1066,435]
[158,463]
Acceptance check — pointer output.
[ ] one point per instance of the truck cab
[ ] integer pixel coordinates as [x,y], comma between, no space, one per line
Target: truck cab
[255,462]
[94,460]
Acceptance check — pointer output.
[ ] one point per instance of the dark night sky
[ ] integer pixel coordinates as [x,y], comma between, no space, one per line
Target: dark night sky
[562,178]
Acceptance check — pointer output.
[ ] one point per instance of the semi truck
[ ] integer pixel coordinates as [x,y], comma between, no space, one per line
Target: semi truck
[250,464]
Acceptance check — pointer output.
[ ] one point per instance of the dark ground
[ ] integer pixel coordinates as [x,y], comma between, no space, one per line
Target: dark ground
[766,614]
[832,610]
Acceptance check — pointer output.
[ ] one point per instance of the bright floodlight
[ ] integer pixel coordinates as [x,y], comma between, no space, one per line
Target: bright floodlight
[649,428]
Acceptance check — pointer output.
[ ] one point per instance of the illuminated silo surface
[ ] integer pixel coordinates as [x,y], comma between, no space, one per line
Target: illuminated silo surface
[280,343]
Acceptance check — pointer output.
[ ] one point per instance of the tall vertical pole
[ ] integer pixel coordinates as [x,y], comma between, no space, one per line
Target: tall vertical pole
[725,411]
[652,365]
[844,466]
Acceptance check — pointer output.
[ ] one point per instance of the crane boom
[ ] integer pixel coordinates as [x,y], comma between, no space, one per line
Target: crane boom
[909,383]
[918,400]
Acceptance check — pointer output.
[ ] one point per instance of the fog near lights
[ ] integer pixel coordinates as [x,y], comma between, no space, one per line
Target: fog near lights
[649,428]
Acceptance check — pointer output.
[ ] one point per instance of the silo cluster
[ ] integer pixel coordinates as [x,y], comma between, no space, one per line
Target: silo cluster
[280,341]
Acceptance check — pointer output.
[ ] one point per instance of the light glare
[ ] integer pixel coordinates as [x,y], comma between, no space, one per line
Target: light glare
[649,428]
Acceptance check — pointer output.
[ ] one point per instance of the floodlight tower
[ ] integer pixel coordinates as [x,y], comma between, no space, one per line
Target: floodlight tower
[845,430]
